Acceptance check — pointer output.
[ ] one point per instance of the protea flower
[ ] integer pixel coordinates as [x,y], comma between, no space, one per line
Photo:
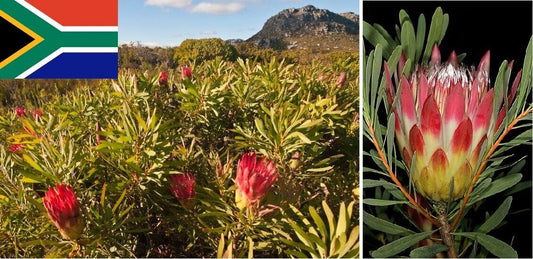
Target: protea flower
[255,176]
[20,112]
[341,80]
[64,210]
[182,187]
[163,78]
[443,115]
[186,73]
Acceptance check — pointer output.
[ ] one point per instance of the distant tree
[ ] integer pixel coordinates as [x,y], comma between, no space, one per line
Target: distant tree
[250,50]
[198,50]
[137,56]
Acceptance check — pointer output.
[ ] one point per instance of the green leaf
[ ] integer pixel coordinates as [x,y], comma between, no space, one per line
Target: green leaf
[374,37]
[497,186]
[318,221]
[428,251]
[378,202]
[384,225]
[397,246]
[435,32]
[492,244]
[496,218]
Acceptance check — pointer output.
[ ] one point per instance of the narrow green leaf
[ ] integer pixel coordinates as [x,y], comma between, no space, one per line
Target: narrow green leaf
[496,218]
[374,37]
[497,186]
[434,33]
[428,251]
[420,36]
[342,223]
[378,202]
[318,222]
[119,201]
[331,219]
[397,246]
[384,225]
[492,244]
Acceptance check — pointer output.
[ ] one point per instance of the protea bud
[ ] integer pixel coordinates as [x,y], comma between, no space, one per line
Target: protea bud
[254,178]
[182,187]
[186,73]
[20,112]
[64,210]
[341,80]
[295,160]
[99,137]
[163,78]
[443,115]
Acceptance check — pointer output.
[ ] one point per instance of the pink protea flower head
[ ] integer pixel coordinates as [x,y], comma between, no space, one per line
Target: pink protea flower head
[20,112]
[254,178]
[64,210]
[186,73]
[182,187]
[163,78]
[443,114]
[16,148]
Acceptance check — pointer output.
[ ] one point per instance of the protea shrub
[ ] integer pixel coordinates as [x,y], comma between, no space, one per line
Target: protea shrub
[182,187]
[64,210]
[443,115]
[254,178]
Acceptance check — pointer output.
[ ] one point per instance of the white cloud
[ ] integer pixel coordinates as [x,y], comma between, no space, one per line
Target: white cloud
[209,33]
[214,8]
[169,3]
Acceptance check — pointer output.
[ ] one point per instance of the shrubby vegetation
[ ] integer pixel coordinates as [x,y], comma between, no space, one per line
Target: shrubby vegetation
[118,142]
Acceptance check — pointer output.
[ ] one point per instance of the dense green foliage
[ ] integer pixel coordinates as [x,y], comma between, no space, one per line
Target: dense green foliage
[199,50]
[117,142]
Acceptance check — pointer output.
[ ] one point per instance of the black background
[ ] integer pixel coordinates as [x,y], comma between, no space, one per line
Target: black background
[504,28]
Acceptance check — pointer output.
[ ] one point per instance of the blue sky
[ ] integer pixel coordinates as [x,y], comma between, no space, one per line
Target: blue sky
[169,22]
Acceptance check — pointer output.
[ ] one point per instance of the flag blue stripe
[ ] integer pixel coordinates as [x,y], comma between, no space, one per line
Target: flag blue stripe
[80,65]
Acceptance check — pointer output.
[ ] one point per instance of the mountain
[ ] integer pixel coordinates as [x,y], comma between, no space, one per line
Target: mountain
[309,27]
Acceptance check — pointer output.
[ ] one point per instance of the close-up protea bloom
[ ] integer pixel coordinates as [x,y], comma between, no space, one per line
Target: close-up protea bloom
[182,187]
[443,114]
[64,210]
[186,73]
[254,178]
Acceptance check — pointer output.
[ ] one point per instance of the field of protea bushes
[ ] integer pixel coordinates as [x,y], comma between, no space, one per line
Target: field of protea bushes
[220,159]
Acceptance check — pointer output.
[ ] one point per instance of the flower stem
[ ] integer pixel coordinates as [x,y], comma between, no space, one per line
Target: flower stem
[445,233]
[395,179]
[484,164]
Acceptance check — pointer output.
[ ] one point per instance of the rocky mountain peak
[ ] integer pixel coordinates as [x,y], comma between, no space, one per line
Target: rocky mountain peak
[305,21]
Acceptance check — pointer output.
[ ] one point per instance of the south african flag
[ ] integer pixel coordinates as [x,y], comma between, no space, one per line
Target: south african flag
[59,38]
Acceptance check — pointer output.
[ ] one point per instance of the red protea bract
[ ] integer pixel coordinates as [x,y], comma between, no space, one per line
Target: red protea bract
[186,73]
[16,148]
[443,114]
[254,178]
[64,210]
[182,187]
